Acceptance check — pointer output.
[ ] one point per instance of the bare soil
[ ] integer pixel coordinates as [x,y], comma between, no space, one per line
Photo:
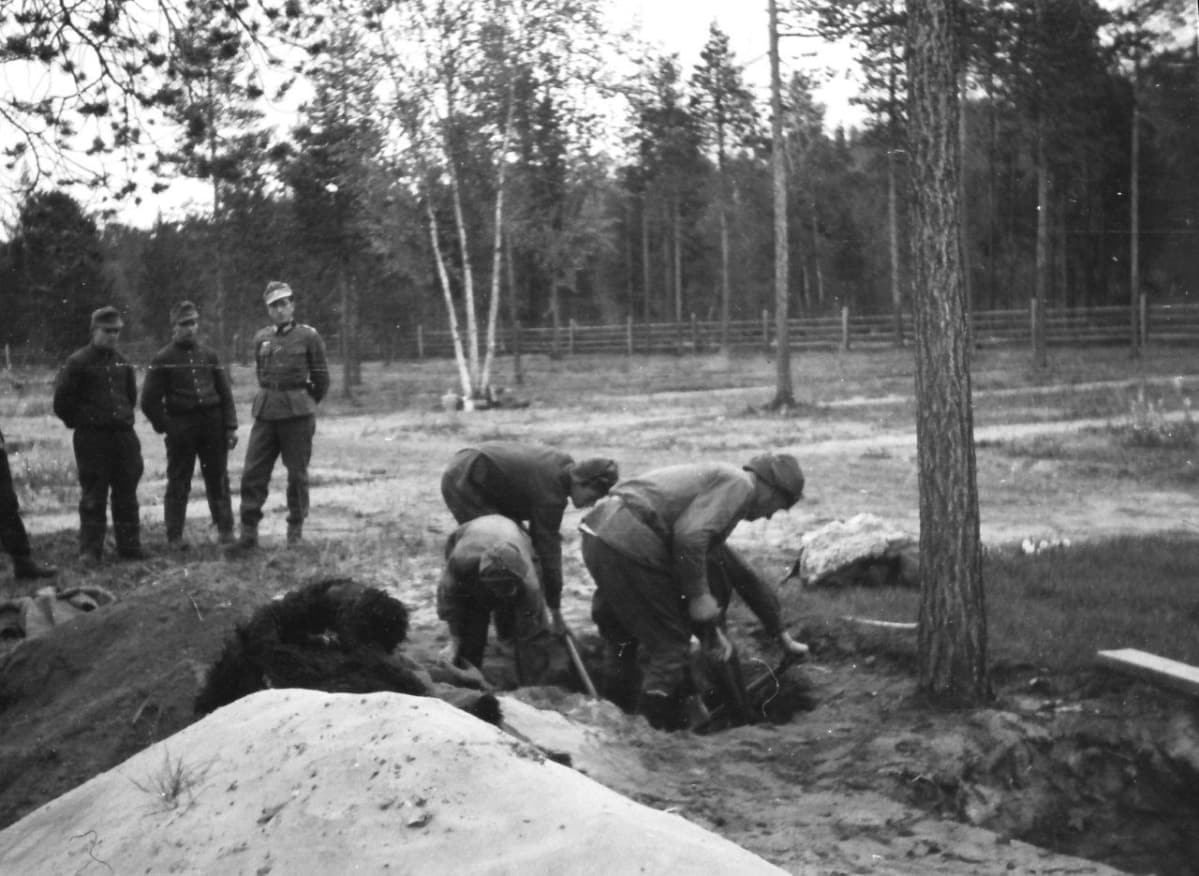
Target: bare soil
[869,781]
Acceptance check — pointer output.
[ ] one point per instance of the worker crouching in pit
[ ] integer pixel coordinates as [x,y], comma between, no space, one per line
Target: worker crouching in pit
[663,573]
[491,572]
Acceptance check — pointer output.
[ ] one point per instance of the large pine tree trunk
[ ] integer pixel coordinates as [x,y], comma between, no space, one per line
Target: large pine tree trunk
[784,393]
[952,627]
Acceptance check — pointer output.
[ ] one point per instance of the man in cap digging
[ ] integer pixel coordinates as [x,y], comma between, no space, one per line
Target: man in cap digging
[527,483]
[95,394]
[490,570]
[656,549]
[188,398]
[293,377]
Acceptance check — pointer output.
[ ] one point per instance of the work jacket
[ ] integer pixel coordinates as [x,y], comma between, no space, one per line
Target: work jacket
[185,377]
[96,389]
[672,520]
[466,548]
[528,483]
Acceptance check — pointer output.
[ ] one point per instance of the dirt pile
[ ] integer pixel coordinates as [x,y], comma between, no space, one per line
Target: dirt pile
[295,781]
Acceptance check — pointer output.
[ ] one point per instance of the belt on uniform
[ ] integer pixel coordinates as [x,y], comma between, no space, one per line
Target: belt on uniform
[280,386]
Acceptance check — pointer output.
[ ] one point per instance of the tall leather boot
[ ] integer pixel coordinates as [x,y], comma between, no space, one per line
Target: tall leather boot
[246,544]
[129,541]
[295,534]
[91,542]
[174,514]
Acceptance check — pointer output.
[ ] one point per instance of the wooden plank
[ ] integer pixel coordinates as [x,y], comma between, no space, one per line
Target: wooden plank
[1150,667]
[881,624]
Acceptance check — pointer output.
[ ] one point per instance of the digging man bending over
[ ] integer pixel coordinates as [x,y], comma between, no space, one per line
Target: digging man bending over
[527,483]
[656,549]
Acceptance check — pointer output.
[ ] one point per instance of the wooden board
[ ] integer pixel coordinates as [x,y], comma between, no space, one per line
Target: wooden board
[1150,667]
[881,624]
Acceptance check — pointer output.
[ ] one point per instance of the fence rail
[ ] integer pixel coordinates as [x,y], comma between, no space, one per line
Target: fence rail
[1160,323]
[1156,323]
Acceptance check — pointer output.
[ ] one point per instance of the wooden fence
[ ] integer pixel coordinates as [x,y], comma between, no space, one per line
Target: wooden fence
[1164,323]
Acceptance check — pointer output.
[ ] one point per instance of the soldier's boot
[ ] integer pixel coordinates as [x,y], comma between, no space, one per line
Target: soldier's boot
[129,541]
[295,534]
[663,711]
[91,543]
[26,568]
[247,544]
[174,515]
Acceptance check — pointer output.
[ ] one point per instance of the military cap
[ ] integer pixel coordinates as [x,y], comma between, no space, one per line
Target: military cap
[108,316]
[599,472]
[781,471]
[184,310]
[276,291]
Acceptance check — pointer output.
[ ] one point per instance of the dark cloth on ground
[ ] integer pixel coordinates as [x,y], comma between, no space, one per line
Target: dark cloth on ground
[527,483]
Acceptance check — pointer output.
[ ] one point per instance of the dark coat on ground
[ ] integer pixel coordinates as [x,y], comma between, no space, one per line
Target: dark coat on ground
[334,636]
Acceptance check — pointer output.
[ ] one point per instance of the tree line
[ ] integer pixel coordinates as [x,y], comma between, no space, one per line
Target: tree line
[460,162]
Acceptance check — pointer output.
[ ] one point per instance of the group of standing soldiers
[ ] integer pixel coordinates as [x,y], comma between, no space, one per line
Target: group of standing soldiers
[654,544]
[188,398]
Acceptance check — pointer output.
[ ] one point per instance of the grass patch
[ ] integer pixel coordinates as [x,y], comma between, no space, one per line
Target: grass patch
[1056,609]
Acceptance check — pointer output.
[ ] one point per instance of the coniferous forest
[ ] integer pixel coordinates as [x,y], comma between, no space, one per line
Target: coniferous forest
[476,165]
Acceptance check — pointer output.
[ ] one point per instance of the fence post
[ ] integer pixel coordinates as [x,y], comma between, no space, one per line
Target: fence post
[420,342]
[628,335]
[694,334]
[570,338]
[844,327]
[766,330]
[1143,322]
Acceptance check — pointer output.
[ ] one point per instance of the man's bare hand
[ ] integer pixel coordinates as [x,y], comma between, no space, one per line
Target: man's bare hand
[230,439]
[703,609]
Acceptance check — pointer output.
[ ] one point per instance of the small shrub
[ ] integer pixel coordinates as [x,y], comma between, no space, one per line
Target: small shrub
[174,783]
[1149,426]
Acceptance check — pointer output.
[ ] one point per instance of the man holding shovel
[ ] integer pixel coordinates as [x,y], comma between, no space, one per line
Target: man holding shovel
[490,569]
[663,573]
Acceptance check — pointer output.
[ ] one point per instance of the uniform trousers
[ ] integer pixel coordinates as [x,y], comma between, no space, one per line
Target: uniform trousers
[270,439]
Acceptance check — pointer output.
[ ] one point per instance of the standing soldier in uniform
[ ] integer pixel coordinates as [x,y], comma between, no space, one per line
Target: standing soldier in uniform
[293,377]
[526,483]
[96,394]
[13,536]
[188,397]
[656,549]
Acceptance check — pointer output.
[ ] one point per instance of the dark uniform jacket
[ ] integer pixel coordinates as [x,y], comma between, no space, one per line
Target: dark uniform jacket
[96,389]
[529,482]
[466,546]
[293,374]
[186,377]
[670,519]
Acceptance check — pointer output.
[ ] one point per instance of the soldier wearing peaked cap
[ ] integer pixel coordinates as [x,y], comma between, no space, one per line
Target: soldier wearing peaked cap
[527,483]
[188,398]
[490,570]
[656,550]
[293,378]
[95,394]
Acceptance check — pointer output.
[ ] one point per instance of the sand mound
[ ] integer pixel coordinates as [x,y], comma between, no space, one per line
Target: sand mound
[297,781]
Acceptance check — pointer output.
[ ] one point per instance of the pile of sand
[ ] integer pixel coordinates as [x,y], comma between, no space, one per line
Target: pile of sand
[297,781]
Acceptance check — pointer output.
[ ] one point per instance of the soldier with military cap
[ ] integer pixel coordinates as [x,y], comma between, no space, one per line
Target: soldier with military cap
[527,483]
[656,550]
[293,377]
[95,394]
[188,398]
